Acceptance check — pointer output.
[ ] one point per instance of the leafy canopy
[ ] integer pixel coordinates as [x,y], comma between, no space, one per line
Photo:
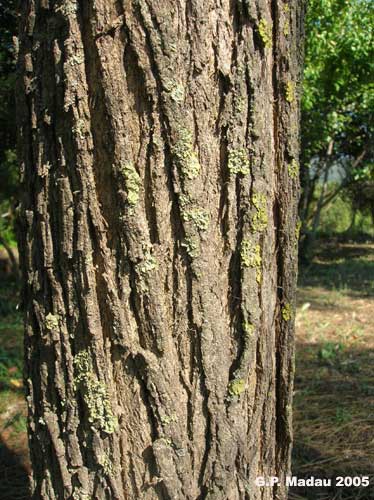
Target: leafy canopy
[338,98]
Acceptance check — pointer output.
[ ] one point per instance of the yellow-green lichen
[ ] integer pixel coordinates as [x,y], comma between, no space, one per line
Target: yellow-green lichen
[251,257]
[184,200]
[259,220]
[286,28]
[236,387]
[168,419]
[106,465]
[177,92]
[95,394]
[69,7]
[290,92]
[80,126]
[293,169]
[239,103]
[198,216]
[298,229]
[191,246]
[51,322]
[287,312]
[265,32]
[185,157]
[148,263]
[78,494]
[238,162]
[248,328]
[132,183]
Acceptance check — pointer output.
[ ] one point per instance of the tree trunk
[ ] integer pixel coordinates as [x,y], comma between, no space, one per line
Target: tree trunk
[159,150]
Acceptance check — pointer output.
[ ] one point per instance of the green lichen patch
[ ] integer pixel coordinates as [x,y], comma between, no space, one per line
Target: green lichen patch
[198,216]
[290,92]
[238,162]
[132,183]
[177,92]
[51,322]
[184,155]
[251,257]
[78,494]
[259,220]
[184,200]
[69,7]
[95,394]
[248,328]
[107,465]
[168,419]
[265,32]
[287,312]
[293,169]
[191,246]
[239,103]
[148,264]
[298,229]
[248,253]
[236,387]
[286,28]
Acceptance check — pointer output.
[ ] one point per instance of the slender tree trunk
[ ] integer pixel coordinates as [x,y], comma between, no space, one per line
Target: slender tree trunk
[353,220]
[159,149]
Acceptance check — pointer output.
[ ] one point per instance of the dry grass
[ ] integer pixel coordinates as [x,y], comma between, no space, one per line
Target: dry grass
[334,385]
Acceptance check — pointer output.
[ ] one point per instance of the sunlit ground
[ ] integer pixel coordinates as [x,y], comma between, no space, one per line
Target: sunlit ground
[334,387]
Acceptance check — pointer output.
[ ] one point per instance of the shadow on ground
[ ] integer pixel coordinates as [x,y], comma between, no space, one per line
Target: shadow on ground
[14,462]
[348,269]
[14,482]
[333,418]
[334,383]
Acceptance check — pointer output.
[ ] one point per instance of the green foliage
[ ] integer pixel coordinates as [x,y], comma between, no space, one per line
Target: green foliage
[10,366]
[342,416]
[339,69]
[337,125]
[336,218]
[330,351]
[8,163]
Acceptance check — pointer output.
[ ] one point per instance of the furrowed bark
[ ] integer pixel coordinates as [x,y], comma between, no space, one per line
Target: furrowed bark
[159,161]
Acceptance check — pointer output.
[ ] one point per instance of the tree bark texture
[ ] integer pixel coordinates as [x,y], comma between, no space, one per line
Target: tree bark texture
[159,162]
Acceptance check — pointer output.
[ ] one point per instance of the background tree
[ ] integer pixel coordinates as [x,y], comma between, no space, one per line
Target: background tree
[159,159]
[337,104]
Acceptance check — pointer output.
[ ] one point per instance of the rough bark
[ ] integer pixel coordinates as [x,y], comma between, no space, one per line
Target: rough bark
[159,154]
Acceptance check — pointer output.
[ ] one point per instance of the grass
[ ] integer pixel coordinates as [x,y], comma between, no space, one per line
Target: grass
[334,384]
